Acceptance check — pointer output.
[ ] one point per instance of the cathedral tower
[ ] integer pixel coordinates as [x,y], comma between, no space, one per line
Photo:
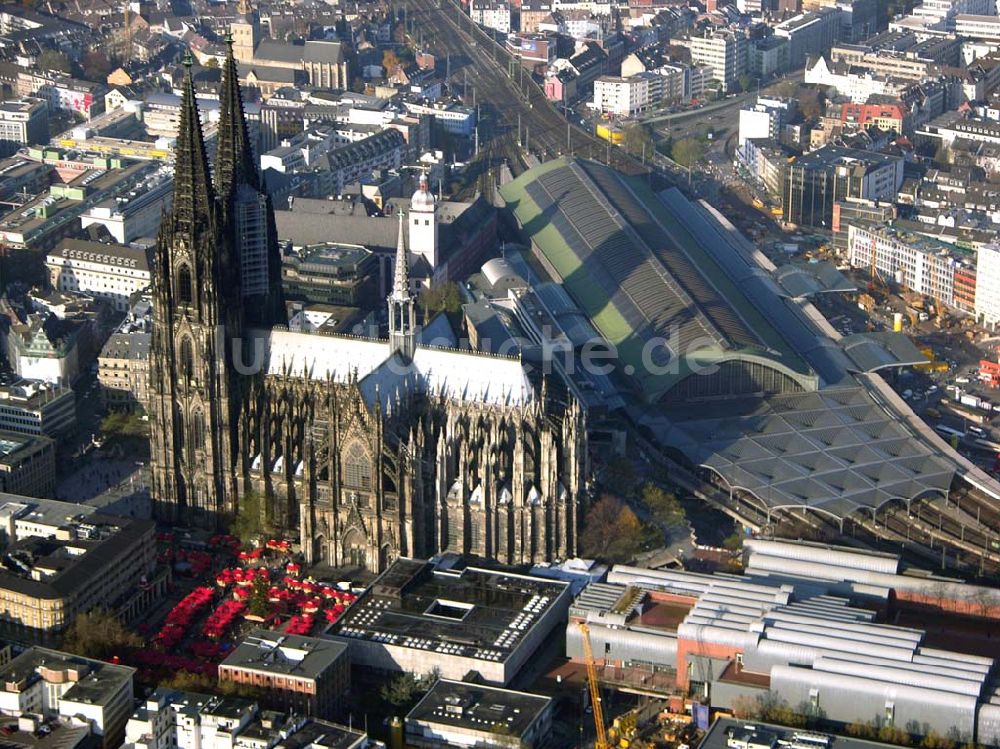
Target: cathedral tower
[198,312]
[246,212]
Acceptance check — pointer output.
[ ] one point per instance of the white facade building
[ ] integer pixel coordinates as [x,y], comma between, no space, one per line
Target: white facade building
[625,97]
[103,271]
[75,689]
[858,87]
[988,284]
[493,14]
[131,217]
[917,263]
[724,51]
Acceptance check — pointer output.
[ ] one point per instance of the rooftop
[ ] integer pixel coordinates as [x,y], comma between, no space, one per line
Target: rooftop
[473,612]
[94,682]
[479,708]
[291,655]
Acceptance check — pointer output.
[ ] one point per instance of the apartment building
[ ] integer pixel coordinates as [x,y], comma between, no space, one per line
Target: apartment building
[493,14]
[627,97]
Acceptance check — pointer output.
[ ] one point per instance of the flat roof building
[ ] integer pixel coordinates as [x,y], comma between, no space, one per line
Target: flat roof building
[456,713]
[420,616]
[61,685]
[24,121]
[36,407]
[63,559]
[307,675]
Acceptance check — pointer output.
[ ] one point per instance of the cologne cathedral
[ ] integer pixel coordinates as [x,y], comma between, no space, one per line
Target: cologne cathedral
[370,448]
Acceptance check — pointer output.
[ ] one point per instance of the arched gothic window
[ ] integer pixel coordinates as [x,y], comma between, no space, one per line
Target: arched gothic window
[187,358]
[198,430]
[357,468]
[185,295]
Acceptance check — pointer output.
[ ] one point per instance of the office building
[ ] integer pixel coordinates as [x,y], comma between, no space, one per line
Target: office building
[27,465]
[917,263]
[988,284]
[305,675]
[423,616]
[459,714]
[70,688]
[67,559]
[809,34]
[110,272]
[24,121]
[36,407]
[723,51]
[172,719]
[331,273]
[816,181]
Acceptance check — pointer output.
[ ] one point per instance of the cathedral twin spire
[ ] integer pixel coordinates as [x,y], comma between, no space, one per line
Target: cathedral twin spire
[234,163]
[193,214]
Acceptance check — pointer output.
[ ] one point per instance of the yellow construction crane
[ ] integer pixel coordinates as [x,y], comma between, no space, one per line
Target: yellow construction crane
[601,742]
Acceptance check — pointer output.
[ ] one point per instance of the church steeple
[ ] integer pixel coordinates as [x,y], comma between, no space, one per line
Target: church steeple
[234,162]
[193,214]
[402,315]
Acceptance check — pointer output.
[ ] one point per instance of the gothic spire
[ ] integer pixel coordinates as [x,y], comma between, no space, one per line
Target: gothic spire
[234,164]
[193,212]
[402,314]
[401,284]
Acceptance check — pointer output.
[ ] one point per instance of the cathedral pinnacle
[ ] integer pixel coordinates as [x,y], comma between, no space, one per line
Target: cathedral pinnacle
[193,211]
[234,163]
[401,284]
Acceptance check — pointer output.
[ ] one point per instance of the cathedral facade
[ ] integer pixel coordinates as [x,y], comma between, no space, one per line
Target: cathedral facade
[368,448]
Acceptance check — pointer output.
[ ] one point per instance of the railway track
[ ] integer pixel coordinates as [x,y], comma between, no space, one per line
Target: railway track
[515,111]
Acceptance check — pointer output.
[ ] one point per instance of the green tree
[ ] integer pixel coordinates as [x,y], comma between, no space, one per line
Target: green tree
[745,82]
[52,59]
[611,531]
[122,425]
[637,140]
[687,151]
[664,506]
[251,522]
[442,298]
[403,691]
[259,605]
[733,542]
[99,634]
